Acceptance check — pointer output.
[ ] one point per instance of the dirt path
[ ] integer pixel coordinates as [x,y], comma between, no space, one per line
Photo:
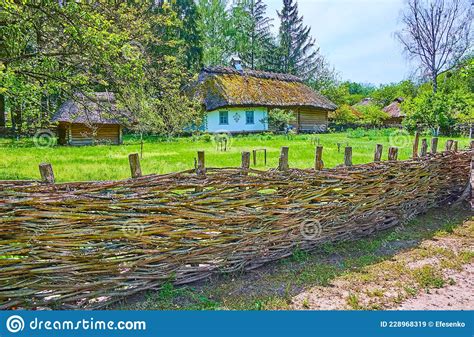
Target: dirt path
[459,296]
[437,275]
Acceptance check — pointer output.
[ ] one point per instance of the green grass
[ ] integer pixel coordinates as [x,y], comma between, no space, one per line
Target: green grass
[20,159]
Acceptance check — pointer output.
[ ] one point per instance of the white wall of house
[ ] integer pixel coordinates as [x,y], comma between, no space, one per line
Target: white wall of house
[238,120]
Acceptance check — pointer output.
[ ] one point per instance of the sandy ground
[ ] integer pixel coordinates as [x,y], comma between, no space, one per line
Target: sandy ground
[459,296]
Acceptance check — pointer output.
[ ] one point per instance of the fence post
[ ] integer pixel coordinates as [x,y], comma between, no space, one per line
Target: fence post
[424,147]
[245,163]
[472,144]
[456,146]
[348,156]
[434,145]
[378,152]
[135,168]
[47,174]
[449,145]
[318,164]
[201,164]
[393,153]
[283,164]
[415,145]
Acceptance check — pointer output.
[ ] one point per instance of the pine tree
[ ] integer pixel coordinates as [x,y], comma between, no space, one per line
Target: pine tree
[214,25]
[298,55]
[252,28]
[189,33]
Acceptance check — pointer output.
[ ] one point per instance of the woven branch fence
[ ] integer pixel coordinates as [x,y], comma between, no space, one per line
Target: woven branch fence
[85,245]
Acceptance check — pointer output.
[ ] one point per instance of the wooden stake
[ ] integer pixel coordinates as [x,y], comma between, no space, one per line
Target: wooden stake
[318,163]
[393,153]
[135,168]
[283,165]
[415,145]
[245,163]
[47,174]
[348,156]
[201,164]
[456,145]
[434,145]
[424,147]
[378,152]
[254,157]
[449,145]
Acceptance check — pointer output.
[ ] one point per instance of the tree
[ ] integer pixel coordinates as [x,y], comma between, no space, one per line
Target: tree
[215,27]
[344,115]
[51,51]
[372,115]
[437,33]
[252,30]
[189,33]
[298,55]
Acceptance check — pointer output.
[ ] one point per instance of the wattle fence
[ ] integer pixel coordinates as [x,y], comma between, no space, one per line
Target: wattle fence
[85,245]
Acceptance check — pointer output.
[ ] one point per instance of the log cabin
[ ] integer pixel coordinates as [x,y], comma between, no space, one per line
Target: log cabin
[238,100]
[90,119]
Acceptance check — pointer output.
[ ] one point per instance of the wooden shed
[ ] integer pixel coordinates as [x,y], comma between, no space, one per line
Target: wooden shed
[90,119]
[238,100]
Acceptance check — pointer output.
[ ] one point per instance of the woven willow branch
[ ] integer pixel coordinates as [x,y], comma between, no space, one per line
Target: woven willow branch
[84,245]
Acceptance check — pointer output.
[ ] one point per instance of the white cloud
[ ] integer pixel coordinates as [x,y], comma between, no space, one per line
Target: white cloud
[356,36]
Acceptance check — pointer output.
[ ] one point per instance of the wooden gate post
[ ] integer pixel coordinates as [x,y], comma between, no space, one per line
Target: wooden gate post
[319,164]
[283,164]
[201,164]
[393,153]
[415,145]
[378,152]
[245,163]
[434,145]
[424,147]
[47,174]
[449,145]
[135,168]
[348,156]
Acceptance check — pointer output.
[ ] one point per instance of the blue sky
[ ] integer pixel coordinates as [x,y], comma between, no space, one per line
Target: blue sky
[356,36]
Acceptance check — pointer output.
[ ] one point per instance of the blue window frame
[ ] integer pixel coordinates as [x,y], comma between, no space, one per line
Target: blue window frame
[249,117]
[224,117]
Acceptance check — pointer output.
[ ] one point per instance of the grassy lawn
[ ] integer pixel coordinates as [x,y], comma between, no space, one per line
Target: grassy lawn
[20,159]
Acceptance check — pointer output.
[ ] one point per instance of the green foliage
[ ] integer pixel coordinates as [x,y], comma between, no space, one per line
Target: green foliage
[344,115]
[385,94]
[372,115]
[280,119]
[428,277]
[439,110]
[297,52]
[251,29]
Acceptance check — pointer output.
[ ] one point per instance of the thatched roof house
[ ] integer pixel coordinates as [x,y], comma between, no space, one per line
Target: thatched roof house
[89,119]
[395,112]
[248,95]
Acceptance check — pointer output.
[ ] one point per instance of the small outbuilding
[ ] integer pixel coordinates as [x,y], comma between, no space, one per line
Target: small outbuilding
[90,119]
[395,112]
[239,100]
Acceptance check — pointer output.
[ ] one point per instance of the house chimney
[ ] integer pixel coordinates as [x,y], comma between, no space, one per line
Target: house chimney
[236,63]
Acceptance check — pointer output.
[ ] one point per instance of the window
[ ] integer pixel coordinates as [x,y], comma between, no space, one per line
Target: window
[224,117]
[249,117]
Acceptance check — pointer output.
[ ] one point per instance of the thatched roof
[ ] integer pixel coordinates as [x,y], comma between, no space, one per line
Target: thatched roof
[394,109]
[364,102]
[221,87]
[95,108]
